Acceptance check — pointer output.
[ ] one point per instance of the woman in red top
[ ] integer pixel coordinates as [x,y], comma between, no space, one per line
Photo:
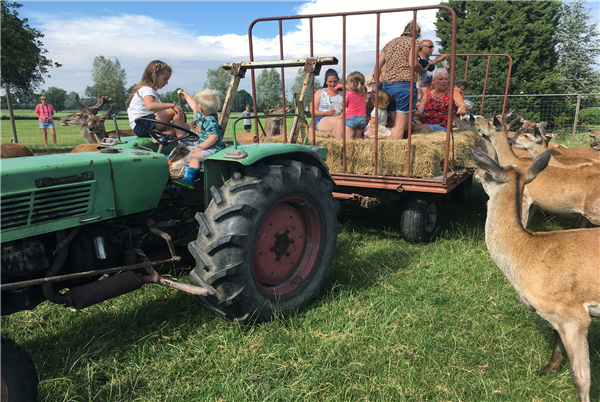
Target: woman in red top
[45,114]
[434,113]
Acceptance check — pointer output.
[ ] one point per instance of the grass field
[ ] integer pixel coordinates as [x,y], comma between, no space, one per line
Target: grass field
[396,322]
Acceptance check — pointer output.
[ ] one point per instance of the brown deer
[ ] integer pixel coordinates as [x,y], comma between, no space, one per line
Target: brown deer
[92,126]
[535,144]
[11,150]
[85,148]
[555,274]
[273,124]
[557,191]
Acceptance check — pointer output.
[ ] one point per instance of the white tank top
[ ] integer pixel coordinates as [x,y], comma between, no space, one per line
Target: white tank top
[327,101]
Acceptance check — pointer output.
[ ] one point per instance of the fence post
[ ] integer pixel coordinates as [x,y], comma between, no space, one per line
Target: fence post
[576,117]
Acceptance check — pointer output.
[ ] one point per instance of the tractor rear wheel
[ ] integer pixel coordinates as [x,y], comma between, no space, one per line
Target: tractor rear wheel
[19,377]
[266,241]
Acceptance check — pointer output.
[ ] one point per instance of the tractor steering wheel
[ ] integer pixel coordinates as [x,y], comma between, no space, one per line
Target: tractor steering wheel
[162,138]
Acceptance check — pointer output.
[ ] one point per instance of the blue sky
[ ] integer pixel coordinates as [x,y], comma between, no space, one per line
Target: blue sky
[193,36]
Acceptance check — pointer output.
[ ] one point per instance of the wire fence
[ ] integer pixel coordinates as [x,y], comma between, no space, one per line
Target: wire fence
[568,113]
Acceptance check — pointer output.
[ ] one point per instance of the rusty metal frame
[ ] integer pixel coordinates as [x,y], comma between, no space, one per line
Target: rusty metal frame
[449,180]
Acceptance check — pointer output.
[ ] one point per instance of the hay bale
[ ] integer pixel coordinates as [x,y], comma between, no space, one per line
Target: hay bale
[427,154]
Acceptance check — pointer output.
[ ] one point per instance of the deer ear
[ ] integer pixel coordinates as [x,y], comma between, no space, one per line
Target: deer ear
[537,166]
[489,165]
[497,124]
[539,138]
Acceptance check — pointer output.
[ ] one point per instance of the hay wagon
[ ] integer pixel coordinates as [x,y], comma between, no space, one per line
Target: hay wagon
[403,177]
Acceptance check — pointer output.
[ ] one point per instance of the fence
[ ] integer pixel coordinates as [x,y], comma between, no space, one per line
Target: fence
[568,113]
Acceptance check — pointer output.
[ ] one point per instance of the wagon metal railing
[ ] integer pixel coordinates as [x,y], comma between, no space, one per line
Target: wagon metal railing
[440,185]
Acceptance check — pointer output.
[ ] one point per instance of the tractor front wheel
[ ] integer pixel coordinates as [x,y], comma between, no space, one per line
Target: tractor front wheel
[266,241]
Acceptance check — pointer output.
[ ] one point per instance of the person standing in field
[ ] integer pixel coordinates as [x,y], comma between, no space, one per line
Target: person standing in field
[247,122]
[45,114]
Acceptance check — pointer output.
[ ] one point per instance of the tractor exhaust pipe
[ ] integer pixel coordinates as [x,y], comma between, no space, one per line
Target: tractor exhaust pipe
[99,291]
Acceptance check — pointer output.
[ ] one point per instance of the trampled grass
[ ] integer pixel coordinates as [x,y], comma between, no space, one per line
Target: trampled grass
[396,322]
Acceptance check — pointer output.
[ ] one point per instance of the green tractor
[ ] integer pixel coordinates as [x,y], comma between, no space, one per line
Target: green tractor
[259,229]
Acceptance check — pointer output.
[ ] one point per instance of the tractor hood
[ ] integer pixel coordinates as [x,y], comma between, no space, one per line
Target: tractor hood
[42,194]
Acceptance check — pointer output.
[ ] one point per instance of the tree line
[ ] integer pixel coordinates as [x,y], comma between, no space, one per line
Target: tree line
[554,47]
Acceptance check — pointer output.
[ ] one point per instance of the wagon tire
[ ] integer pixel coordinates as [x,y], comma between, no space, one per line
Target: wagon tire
[19,376]
[266,241]
[420,218]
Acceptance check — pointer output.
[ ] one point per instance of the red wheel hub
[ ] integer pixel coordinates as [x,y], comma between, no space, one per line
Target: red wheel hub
[287,245]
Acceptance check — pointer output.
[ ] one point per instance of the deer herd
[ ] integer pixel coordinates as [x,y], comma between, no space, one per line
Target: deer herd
[556,273]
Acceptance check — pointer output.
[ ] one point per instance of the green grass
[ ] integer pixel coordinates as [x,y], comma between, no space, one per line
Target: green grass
[396,322]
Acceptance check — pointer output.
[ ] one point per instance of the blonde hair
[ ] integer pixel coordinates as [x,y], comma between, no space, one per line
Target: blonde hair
[382,97]
[209,100]
[408,29]
[359,79]
[150,76]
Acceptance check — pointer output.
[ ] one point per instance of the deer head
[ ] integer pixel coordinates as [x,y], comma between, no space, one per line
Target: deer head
[80,118]
[94,127]
[272,126]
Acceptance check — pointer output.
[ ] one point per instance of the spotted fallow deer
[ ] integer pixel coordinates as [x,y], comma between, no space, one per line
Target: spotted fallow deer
[556,274]
[557,191]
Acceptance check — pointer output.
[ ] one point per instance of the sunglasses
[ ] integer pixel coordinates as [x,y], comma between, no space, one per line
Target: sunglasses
[43,99]
[431,47]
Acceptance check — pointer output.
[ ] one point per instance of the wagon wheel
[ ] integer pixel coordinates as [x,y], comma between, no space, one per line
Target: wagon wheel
[266,241]
[420,217]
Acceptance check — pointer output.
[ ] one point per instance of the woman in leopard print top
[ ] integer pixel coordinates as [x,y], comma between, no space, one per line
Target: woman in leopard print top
[395,62]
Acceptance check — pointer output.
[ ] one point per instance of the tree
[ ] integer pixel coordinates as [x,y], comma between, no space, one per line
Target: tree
[109,80]
[242,98]
[56,97]
[297,87]
[578,48]
[22,58]
[523,29]
[268,88]
[217,79]
[70,103]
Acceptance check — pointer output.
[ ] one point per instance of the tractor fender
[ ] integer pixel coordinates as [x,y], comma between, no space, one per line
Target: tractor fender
[217,167]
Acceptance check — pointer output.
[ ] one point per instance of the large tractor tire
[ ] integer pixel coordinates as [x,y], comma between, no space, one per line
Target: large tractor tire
[19,376]
[266,241]
[420,217]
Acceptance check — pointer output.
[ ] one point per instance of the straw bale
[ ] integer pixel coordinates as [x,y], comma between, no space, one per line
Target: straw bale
[427,155]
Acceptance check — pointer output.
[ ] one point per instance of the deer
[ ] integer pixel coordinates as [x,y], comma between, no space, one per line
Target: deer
[557,191]
[92,126]
[14,150]
[555,274]
[273,124]
[573,155]
[535,144]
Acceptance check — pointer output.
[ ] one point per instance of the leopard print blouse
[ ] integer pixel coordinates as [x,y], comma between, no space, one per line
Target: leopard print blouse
[396,67]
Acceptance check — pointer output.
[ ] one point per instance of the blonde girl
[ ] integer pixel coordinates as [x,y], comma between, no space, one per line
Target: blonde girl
[356,105]
[143,102]
[379,117]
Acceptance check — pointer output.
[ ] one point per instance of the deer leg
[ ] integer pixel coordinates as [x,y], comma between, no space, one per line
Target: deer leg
[553,365]
[574,337]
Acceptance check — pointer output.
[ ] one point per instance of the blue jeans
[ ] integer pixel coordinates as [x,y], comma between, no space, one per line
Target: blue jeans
[356,122]
[399,92]
[435,127]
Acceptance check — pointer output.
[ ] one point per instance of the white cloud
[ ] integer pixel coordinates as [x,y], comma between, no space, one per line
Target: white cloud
[137,39]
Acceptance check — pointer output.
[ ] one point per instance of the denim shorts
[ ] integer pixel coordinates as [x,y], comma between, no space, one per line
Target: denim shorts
[435,127]
[317,120]
[356,122]
[207,152]
[44,124]
[148,124]
[400,96]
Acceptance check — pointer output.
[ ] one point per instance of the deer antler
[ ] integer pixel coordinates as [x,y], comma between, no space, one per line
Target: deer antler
[85,108]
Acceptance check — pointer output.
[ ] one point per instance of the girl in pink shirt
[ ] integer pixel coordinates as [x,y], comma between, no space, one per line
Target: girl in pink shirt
[356,105]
